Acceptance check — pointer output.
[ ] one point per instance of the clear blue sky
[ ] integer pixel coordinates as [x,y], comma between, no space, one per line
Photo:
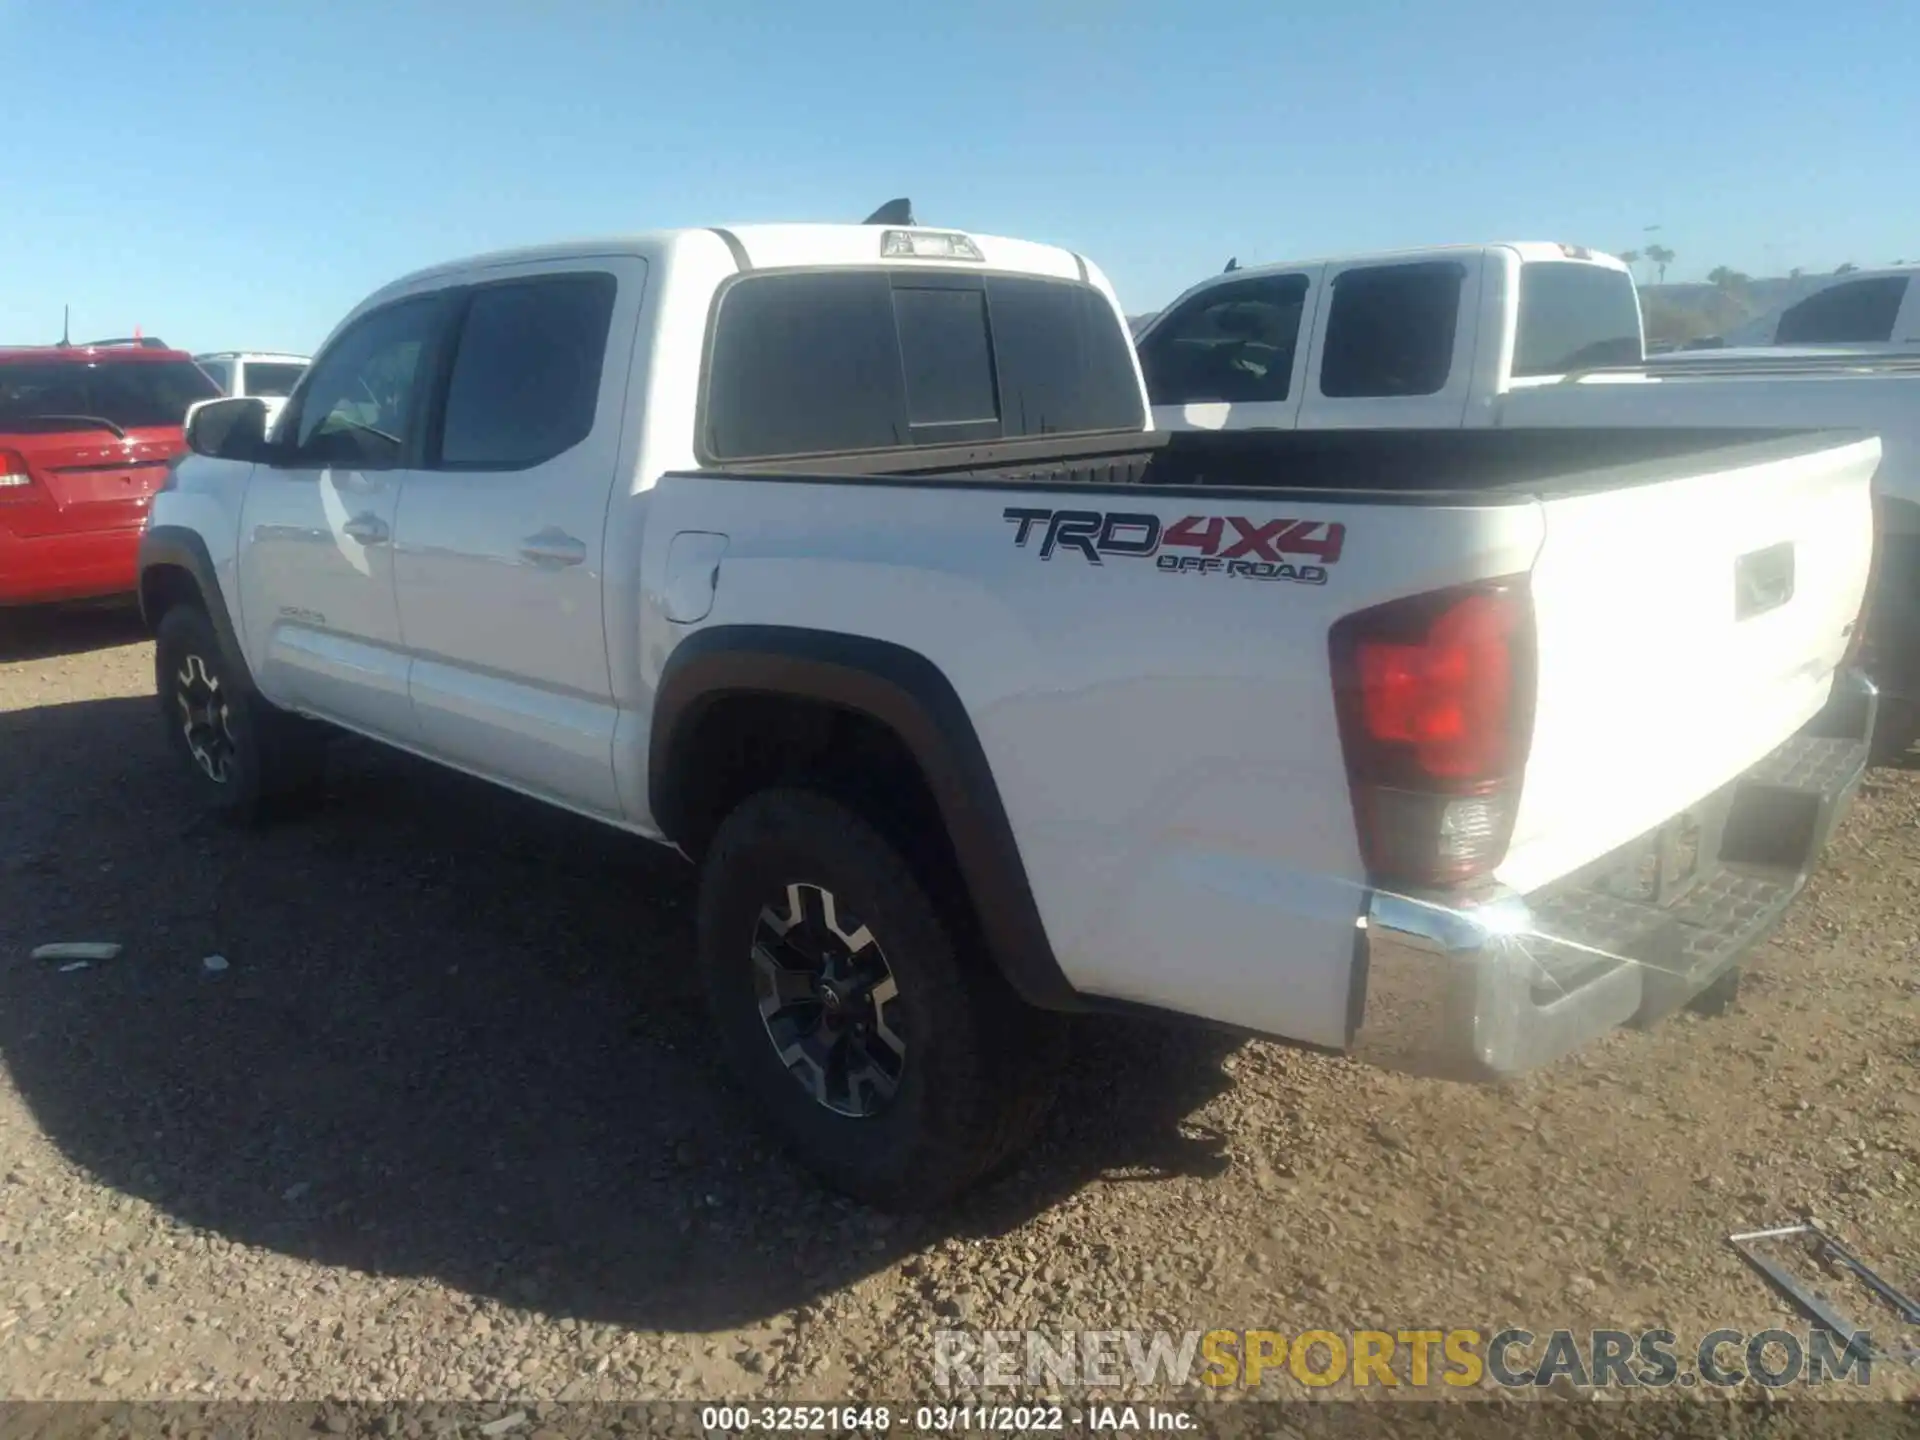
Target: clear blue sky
[239,174]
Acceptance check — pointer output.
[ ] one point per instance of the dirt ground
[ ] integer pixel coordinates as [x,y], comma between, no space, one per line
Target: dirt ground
[446,1124]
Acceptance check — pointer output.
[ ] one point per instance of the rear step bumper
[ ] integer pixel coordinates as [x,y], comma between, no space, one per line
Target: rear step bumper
[1512,982]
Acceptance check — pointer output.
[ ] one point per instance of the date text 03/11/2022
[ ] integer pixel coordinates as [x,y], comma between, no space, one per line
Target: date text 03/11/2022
[940,1419]
[1193,545]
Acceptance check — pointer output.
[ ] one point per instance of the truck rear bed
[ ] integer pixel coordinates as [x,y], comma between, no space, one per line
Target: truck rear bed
[1358,465]
[1163,720]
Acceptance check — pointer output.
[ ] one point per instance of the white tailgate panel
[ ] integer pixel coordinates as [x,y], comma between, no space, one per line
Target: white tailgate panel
[1651,694]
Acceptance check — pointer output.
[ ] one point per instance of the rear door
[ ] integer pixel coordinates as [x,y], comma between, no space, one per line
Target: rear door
[1231,357]
[316,555]
[501,534]
[1686,629]
[1393,345]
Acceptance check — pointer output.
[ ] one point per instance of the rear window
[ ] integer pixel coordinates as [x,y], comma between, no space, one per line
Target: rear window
[271,377]
[131,394]
[838,361]
[1390,330]
[1856,312]
[1573,316]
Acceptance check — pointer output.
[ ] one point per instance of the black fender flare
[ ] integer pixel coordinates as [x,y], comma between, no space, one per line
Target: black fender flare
[908,694]
[175,547]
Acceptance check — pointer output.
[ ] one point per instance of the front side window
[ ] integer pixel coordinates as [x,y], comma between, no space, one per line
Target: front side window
[361,405]
[1233,343]
[845,361]
[220,372]
[526,371]
[1390,330]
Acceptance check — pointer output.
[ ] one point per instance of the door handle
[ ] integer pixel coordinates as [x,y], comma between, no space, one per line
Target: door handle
[552,548]
[367,529]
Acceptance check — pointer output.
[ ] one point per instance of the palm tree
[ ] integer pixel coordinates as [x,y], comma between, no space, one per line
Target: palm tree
[1630,258]
[1661,257]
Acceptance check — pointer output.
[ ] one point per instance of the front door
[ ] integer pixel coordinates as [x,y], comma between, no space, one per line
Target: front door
[500,536]
[319,613]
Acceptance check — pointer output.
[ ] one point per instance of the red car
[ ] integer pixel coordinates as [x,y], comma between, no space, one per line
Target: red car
[86,435]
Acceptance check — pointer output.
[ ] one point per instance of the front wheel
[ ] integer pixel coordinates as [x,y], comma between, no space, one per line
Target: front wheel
[244,758]
[897,1067]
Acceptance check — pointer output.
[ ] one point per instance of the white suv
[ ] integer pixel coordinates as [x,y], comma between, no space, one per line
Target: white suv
[269,376]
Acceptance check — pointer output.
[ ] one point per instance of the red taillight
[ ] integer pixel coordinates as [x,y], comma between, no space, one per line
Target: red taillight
[16,481]
[1435,699]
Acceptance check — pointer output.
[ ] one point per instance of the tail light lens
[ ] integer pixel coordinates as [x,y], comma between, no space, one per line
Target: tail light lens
[16,481]
[1435,696]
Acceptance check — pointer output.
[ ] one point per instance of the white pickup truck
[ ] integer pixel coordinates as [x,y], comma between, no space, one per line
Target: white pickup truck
[840,558]
[1529,336]
[1864,312]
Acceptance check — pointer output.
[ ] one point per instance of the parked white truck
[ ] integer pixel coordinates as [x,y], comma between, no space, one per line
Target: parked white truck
[1864,312]
[1527,336]
[841,559]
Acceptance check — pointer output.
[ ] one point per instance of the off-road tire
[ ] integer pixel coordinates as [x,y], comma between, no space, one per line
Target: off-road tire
[978,1063]
[251,761]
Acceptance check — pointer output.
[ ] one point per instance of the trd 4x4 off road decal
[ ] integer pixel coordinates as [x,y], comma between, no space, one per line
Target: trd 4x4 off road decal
[1192,545]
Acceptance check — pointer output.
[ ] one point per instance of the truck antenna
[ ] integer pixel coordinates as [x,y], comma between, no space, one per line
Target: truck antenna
[66,313]
[1233,263]
[894,212]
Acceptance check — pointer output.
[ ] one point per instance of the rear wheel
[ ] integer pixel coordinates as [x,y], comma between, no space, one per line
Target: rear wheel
[897,1067]
[244,758]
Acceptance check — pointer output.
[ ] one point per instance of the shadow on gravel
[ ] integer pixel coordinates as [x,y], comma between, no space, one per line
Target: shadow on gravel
[41,632]
[458,1035]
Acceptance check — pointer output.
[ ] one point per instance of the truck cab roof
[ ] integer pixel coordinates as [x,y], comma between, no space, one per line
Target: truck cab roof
[781,246]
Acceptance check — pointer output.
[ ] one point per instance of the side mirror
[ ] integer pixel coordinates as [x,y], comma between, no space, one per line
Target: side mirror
[229,429]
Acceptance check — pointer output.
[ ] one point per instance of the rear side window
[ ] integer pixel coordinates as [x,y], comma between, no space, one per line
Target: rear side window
[131,393]
[1233,343]
[1855,312]
[270,377]
[1390,330]
[526,371]
[839,361]
[1573,316]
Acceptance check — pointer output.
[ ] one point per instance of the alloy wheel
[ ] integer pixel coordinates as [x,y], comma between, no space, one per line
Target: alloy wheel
[829,1001]
[205,717]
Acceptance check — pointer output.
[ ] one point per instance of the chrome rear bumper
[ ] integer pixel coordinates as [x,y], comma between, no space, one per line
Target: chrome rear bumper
[1496,984]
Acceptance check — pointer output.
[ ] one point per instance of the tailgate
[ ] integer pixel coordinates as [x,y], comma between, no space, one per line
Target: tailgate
[87,480]
[1687,627]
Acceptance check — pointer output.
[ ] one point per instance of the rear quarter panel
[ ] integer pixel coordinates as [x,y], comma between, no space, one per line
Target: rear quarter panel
[1164,743]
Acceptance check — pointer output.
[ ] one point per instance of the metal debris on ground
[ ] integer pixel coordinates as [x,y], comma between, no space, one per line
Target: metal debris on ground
[1825,1249]
[76,950]
[214,964]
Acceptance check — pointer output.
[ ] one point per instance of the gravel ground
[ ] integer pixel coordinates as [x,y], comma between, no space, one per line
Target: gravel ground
[446,1124]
